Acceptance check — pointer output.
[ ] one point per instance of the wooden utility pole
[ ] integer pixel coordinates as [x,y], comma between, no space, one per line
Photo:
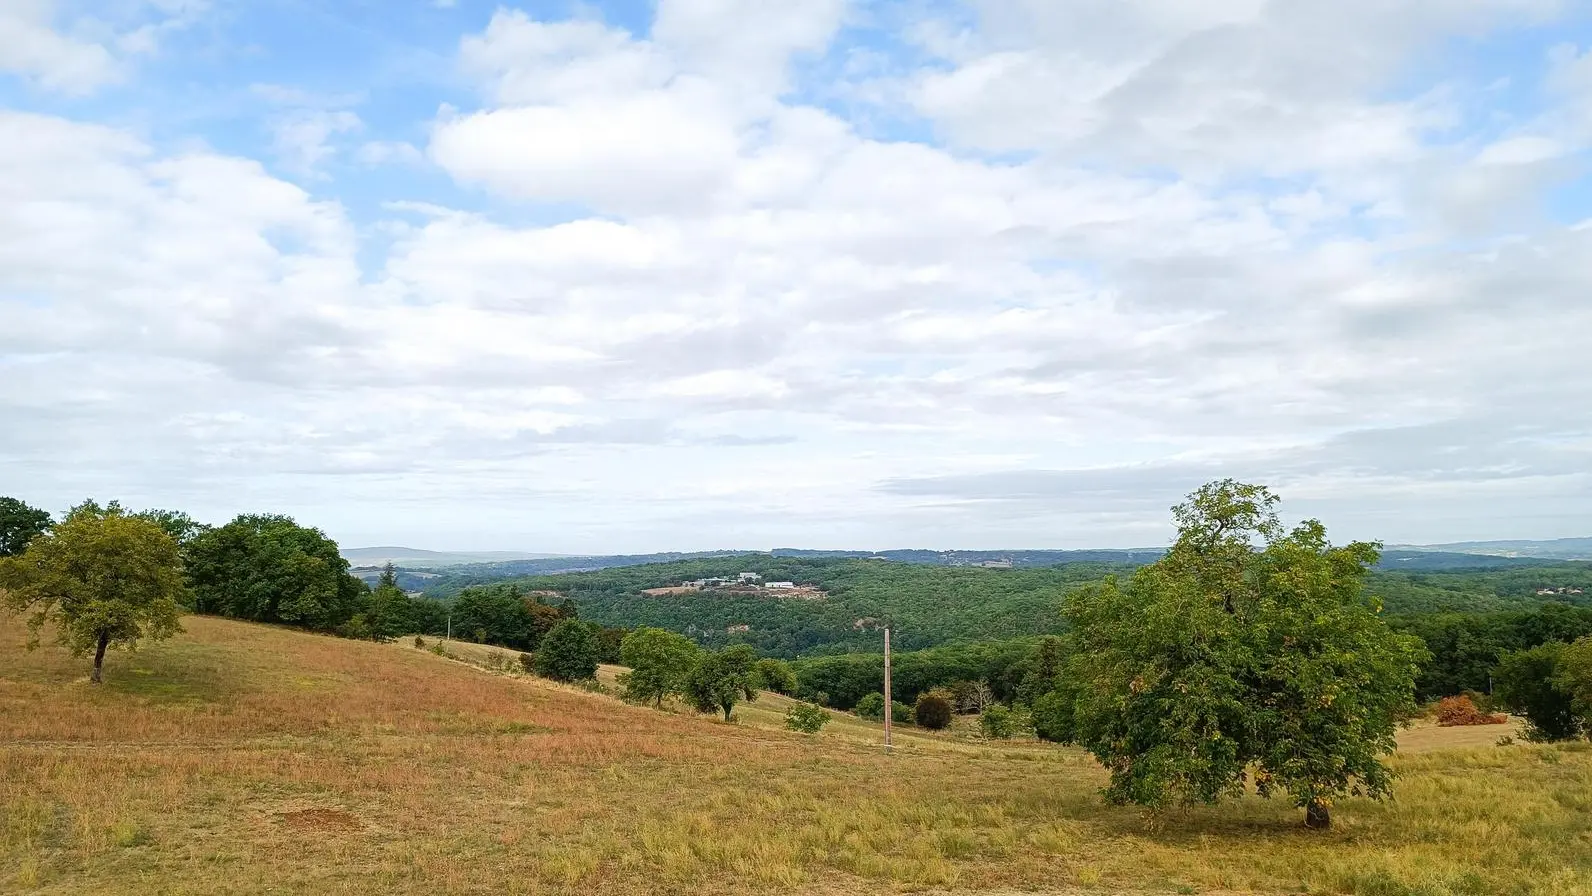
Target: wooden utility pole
[888,706]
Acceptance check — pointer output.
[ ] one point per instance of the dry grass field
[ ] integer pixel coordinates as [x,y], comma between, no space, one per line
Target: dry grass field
[239,758]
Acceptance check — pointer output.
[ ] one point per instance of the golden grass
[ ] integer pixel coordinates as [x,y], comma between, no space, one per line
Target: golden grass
[243,759]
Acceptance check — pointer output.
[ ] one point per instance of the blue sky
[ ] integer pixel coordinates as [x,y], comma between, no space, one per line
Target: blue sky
[710,273]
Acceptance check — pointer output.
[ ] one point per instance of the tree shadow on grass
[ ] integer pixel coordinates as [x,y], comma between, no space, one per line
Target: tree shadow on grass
[174,672]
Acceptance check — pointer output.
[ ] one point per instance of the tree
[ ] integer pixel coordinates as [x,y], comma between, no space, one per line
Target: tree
[719,681]
[1246,646]
[270,569]
[1525,682]
[1053,716]
[776,676]
[20,524]
[870,708]
[568,653]
[997,722]
[388,611]
[741,661]
[806,718]
[1573,675]
[933,710]
[660,662]
[101,579]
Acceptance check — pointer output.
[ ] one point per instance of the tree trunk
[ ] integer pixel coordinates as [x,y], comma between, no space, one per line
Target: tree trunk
[1317,816]
[99,656]
[728,708]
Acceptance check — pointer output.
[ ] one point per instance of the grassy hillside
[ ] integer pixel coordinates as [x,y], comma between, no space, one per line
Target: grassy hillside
[243,759]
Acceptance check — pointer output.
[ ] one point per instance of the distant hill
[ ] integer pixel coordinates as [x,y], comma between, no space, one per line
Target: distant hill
[1551,549]
[419,559]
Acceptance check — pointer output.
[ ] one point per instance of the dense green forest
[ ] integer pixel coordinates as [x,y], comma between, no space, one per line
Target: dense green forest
[927,605]
[935,605]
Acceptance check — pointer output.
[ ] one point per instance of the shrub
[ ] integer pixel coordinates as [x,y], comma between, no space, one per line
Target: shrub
[528,663]
[997,722]
[933,710]
[420,643]
[806,718]
[900,713]
[1456,711]
[870,707]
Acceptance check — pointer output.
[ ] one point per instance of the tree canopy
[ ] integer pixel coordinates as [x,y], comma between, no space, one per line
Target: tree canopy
[20,524]
[568,653]
[101,579]
[660,662]
[1246,646]
[268,568]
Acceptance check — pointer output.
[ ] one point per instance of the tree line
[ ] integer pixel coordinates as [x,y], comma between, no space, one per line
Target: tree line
[105,577]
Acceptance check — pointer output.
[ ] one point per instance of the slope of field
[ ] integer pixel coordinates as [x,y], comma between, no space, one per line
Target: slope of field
[244,759]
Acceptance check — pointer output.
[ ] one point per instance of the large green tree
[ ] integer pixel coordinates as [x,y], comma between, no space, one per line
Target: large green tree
[720,681]
[568,653]
[270,569]
[20,524]
[1247,647]
[660,662]
[101,579]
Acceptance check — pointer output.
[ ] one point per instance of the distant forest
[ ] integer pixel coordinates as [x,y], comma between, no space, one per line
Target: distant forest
[932,605]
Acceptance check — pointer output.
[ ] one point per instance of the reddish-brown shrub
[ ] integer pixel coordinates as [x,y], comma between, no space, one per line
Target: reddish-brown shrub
[1456,711]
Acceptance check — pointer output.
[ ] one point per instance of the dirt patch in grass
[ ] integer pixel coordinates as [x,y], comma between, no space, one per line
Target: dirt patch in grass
[333,821]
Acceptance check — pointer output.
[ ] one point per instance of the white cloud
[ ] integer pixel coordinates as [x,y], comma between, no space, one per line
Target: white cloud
[87,53]
[1163,241]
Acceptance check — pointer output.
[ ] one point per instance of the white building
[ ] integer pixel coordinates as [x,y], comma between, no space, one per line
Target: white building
[781,586]
[749,577]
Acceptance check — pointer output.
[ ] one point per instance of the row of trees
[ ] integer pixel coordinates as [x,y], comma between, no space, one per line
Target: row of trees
[665,665]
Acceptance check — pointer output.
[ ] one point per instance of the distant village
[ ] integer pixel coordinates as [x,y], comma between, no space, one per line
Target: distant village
[1546,592]
[742,583]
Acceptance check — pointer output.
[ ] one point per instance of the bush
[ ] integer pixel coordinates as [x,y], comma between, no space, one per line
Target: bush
[1457,711]
[806,718]
[420,643]
[933,711]
[1053,717]
[900,713]
[528,663]
[870,707]
[998,722]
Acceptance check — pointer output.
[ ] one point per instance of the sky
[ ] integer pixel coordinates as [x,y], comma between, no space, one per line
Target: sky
[625,276]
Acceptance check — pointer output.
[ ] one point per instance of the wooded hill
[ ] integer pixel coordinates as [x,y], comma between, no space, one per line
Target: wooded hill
[934,605]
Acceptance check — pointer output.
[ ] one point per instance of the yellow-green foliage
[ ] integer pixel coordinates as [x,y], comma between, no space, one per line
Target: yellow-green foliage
[244,759]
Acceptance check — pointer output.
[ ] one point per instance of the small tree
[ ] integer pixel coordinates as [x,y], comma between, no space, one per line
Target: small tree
[102,579]
[1052,713]
[997,722]
[870,707]
[1524,683]
[718,682]
[20,524]
[933,710]
[741,661]
[568,653]
[900,713]
[660,662]
[806,718]
[776,676]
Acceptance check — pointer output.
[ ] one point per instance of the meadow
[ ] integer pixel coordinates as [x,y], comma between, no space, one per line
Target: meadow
[242,758]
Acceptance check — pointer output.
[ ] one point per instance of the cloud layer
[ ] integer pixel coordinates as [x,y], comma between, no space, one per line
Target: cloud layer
[1010,274]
